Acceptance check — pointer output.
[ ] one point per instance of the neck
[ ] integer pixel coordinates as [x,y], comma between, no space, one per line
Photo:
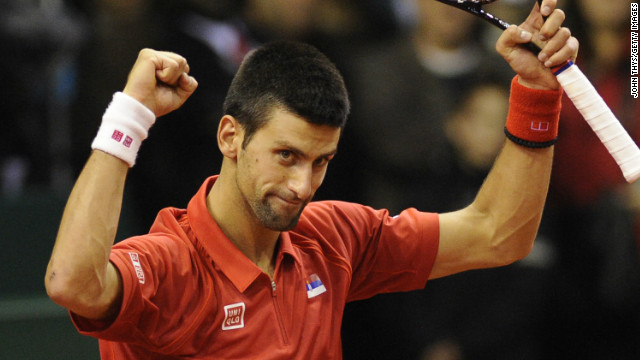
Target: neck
[241,228]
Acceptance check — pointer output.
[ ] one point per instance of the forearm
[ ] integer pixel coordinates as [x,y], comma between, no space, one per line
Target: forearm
[513,196]
[78,274]
[500,225]
[512,200]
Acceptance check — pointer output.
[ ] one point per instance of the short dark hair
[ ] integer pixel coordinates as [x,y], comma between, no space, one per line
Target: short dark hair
[294,76]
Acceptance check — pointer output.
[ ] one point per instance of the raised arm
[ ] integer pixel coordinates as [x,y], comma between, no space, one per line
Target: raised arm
[79,276]
[499,227]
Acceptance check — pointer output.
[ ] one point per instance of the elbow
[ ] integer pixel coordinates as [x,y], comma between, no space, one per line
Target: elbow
[515,246]
[513,250]
[513,239]
[88,296]
[72,298]
[68,291]
[58,289]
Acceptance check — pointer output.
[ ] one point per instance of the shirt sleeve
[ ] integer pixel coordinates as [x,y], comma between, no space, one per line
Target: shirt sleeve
[398,256]
[157,274]
[386,253]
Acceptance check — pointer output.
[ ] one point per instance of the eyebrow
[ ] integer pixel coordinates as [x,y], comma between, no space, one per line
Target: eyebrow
[282,143]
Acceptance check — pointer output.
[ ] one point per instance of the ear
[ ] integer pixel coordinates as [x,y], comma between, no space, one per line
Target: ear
[230,135]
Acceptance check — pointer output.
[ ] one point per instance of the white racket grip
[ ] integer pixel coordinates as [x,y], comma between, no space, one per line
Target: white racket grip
[601,119]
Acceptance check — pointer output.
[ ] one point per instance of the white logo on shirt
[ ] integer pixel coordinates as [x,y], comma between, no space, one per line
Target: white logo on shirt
[233,316]
[137,267]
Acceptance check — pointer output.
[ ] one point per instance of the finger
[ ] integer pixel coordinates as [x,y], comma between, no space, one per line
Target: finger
[187,83]
[538,15]
[169,72]
[568,51]
[552,24]
[510,38]
[180,60]
[519,35]
[534,21]
[547,7]
[169,69]
[556,43]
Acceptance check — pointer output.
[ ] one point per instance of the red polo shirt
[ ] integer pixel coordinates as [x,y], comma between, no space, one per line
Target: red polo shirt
[190,293]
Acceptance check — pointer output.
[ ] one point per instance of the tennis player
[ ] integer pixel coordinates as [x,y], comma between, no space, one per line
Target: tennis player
[252,269]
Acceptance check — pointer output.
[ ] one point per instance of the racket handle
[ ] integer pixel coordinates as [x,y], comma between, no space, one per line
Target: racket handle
[601,119]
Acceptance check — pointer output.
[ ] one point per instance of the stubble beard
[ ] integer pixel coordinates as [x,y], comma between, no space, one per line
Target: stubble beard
[271,219]
[261,206]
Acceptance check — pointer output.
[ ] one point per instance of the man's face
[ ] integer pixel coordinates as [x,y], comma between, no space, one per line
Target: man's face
[282,166]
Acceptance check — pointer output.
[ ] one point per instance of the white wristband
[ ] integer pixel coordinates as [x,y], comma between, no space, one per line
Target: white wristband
[125,124]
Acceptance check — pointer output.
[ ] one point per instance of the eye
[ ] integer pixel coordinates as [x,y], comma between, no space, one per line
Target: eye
[286,155]
[320,162]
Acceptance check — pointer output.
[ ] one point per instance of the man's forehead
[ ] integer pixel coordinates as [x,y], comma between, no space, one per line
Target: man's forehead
[287,128]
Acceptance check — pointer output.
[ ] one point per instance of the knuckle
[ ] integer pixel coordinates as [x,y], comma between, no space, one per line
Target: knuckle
[573,44]
[145,52]
[564,31]
[560,14]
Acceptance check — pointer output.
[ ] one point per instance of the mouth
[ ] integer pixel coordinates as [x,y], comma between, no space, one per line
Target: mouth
[288,201]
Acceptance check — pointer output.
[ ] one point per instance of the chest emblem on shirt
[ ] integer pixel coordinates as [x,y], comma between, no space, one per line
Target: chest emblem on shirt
[315,286]
[233,316]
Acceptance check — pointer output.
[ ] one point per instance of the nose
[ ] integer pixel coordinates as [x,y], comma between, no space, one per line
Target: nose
[301,182]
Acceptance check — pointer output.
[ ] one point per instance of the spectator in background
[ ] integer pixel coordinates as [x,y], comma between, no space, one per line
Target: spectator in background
[119,27]
[39,41]
[445,57]
[493,314]
[592,214]
[415,82]
[181,150]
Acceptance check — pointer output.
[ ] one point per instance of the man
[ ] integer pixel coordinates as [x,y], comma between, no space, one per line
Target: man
[252,268]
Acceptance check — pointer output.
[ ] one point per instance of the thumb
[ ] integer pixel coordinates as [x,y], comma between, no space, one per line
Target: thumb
[186,86]
[170,67]
[511,37]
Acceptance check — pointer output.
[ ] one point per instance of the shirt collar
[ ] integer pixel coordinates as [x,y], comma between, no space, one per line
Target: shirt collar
[234,264]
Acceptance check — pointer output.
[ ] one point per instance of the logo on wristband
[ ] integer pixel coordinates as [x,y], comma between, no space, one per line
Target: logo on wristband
[118,135]
[540,125]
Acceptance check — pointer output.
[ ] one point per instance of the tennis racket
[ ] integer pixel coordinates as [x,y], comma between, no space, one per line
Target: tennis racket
[583,95]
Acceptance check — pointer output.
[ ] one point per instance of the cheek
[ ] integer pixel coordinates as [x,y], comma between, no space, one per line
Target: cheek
[262,171]
[248,171]
[317,179]
[249,162]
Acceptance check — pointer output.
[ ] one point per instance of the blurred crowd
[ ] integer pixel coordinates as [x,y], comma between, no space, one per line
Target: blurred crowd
[429,99]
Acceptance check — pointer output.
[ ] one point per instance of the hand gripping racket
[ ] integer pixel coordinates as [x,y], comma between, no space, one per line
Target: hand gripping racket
[583,95]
